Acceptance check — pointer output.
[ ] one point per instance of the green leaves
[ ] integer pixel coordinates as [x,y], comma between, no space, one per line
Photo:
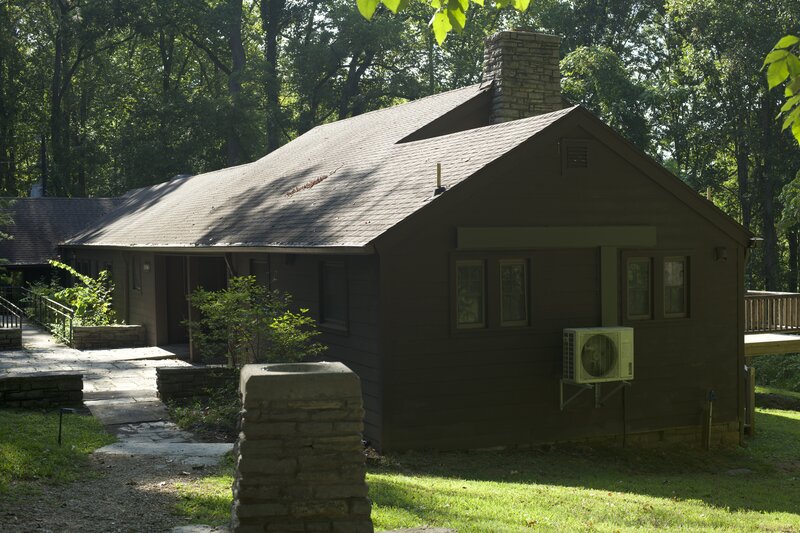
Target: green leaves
[250,324]
[367,8]
[783,65]
[448,15]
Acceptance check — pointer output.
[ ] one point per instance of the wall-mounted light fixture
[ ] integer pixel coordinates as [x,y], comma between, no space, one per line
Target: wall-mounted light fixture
[721,253]
[146,266]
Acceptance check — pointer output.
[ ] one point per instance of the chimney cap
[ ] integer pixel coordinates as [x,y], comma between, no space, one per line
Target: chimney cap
[527,34]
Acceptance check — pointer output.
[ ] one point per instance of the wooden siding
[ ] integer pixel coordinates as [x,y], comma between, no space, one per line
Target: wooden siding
[450,388]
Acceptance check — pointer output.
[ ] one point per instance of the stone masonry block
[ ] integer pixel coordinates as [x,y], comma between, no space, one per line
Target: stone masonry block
[300,465]
[326,508]
[330,384]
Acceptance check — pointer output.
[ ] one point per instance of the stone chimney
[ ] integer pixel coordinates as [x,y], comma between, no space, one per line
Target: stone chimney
[524,67]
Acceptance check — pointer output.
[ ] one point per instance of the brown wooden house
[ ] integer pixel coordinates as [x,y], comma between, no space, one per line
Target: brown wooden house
[450,300]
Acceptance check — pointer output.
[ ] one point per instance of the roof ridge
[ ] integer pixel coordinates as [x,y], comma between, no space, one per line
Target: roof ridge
[396,106]
[500,125]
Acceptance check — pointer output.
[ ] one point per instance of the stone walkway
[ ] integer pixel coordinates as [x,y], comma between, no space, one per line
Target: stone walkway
[119,388]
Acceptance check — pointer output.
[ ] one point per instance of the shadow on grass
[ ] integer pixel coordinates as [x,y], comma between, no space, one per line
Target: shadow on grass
[760,477]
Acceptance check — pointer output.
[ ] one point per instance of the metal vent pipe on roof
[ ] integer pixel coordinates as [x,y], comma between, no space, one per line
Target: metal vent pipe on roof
[439,189]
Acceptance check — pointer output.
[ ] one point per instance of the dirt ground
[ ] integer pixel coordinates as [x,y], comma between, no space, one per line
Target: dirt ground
[121,494]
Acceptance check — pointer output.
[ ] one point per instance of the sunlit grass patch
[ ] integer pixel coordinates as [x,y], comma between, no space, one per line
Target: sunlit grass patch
[207,500]
[576,488]
[29,449]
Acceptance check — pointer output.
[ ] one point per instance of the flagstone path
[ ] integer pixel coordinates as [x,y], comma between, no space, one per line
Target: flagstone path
[119,388]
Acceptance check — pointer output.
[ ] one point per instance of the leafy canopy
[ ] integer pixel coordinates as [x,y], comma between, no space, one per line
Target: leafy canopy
[448,15]
[783,65]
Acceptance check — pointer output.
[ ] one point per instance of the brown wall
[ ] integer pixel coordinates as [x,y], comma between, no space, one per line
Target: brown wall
[451,388]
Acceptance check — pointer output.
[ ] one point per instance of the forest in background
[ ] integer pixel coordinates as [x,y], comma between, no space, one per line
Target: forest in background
[101,96]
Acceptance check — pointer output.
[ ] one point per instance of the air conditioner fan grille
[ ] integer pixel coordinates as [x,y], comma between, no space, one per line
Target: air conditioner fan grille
[599,356]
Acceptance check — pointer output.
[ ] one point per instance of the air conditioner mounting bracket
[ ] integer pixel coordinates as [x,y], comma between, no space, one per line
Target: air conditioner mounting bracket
[599,400]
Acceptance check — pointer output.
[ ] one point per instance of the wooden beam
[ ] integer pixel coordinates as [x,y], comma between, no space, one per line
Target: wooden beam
[770,343]
[511,238]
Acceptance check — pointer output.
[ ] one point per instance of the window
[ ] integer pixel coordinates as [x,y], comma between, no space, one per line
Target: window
[657,286]
[260,270]
[675,287]
[333,294]
[136,274]
[513,293]
[638,288]
[470,294]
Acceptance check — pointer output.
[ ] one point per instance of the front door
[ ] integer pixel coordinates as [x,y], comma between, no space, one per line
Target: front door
[177,305]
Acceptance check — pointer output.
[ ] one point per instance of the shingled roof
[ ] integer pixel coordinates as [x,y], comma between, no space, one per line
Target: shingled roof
[40,224]
[339,185]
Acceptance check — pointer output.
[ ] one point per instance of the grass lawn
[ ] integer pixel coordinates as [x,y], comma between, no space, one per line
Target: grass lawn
[29,450]
[601,488]
[781,392]
[576,488]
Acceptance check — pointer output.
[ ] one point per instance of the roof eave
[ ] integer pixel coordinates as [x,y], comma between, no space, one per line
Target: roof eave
[217,249]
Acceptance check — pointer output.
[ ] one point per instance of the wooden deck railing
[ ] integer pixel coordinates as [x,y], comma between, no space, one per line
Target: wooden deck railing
[771,312]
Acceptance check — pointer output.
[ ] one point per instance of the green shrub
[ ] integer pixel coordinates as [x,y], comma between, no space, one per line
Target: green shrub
[214,416]
[251,324]
[779,371]
[91,298]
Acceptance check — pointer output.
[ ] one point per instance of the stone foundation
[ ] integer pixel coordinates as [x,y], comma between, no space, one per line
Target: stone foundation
[300,465]
[180,383]
[41,390]
[99,337]
[11,338]
[724,434]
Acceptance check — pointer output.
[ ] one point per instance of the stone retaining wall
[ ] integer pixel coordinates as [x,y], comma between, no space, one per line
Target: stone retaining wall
[299,460]
[99,337]
[179,383]
[41,390]
[10,338]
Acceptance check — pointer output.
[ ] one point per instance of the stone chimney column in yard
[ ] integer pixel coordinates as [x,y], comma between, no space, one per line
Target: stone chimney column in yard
[525,71]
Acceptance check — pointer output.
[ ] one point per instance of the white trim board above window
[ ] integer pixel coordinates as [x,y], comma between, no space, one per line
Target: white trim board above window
[522,237]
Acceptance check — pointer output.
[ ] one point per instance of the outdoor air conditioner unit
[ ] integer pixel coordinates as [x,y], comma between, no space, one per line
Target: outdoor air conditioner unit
[596,355]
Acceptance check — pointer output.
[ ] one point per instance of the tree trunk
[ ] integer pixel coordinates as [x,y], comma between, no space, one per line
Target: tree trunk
[60,52]
[792,240]
[351,86]
[234,144]
[742,175]
[271,15]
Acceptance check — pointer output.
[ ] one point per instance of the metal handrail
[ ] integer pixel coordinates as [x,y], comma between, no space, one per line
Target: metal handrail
[51,315]
[11,317]
[771,312]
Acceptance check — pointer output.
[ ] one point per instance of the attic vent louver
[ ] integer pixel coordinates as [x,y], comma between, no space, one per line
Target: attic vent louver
[574,157]
[577,156]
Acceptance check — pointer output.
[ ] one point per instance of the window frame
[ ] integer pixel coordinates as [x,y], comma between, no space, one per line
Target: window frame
[685,260]
[658,258]
[525,292]
[650,292]
[136,274]
[335,324]
[484,299]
